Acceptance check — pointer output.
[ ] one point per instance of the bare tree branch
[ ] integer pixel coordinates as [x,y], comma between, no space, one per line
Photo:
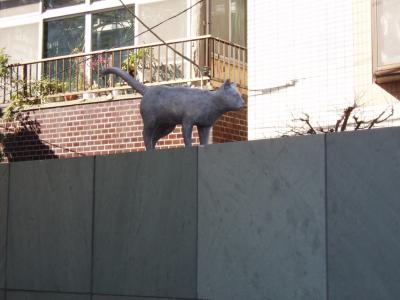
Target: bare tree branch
[306,120]
[342,123]
[346,115]
[377,120]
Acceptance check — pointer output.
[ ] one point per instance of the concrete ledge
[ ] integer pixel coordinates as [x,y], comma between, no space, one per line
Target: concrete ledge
[313,217]
[4,183]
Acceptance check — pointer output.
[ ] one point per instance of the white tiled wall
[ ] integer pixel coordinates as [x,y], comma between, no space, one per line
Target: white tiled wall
[309,57]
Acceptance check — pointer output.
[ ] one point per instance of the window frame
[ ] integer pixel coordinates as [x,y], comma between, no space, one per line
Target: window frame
[85,9]
[44,40]
[104,11]
[386,73]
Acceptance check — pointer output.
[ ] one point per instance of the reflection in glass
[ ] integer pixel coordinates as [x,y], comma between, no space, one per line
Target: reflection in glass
[220,19]
[62,37]
[49,4]
[112,29]
[238,22]
[388,29]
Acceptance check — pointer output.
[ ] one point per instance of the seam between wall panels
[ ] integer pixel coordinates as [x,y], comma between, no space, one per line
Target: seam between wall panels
[326,216]
[197,223]
[7,231]
[93,229]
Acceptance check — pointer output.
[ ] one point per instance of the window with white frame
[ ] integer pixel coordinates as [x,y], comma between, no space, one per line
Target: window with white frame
[108,29]
[388,28]
[65,27]
[228,20]
[49,4]
[64,36]
[386,37]
[113,28]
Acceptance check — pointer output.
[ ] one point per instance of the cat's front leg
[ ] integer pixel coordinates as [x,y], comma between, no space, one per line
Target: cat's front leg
[187,133]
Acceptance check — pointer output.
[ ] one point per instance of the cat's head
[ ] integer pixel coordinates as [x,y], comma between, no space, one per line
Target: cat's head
[232,100]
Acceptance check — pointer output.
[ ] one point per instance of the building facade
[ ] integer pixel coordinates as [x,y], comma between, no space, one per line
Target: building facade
[36,29]
[65,44]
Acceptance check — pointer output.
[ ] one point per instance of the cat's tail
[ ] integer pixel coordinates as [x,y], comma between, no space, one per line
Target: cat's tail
[136,85]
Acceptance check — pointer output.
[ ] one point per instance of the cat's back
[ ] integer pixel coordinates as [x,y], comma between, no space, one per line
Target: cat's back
[168,93]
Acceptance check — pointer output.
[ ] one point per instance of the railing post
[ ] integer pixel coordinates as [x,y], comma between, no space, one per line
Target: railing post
[207,53]
[3,86]
[25,80]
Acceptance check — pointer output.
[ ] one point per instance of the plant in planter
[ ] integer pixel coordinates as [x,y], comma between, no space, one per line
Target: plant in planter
[91,93]
[47,87]
[3,63]
[2,155]
[98,63]
[39,92]
[119,91]
[138,62]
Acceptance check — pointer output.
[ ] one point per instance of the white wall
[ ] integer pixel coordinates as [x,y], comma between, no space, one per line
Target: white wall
[311,57]
[306,43]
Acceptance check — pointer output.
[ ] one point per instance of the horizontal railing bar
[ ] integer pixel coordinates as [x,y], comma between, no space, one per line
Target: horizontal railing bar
[84,76]
[126,87]
[190,39]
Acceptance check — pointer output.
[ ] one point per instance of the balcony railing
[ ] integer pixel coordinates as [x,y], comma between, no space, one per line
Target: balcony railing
[79,76]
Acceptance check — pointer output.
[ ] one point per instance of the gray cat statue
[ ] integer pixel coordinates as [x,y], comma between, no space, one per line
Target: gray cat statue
[164,107]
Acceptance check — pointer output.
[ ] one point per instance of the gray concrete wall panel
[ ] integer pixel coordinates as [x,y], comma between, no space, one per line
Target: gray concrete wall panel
[363,215]
[50,225]
[102,297]
[145,220]
[261,220]
[16,295]
[4,177]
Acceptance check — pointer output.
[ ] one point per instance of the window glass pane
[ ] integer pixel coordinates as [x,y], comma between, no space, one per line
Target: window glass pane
[112,29]
[388,28]
[156,12]
[238,22]
[62,37]
[220,19]
[48,4]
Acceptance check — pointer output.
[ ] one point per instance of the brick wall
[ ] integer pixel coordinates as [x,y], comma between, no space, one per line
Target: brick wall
[99,129]
[231,127]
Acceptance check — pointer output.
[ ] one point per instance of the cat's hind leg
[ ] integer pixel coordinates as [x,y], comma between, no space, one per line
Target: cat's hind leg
[148,133]
[204,133]
[160,132]
[187,133]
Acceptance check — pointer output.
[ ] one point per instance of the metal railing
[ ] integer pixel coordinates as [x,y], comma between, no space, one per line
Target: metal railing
[78,76]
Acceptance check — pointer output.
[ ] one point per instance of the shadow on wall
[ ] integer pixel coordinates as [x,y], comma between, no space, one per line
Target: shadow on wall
[393,88]
[22,142]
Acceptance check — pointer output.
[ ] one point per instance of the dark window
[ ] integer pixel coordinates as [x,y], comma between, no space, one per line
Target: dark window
[112,29]
[49,4]
[62,37]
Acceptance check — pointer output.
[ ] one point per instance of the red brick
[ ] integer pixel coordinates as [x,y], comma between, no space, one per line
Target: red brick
[106,128]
